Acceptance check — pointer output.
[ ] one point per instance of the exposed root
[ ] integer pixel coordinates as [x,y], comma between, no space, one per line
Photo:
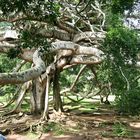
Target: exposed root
[10,113]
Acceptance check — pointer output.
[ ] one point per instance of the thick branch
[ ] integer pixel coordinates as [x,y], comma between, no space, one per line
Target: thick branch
[13,78]
[88,55]
[89,36]
[85,60]
[77,49]
[27,54]
[55,33]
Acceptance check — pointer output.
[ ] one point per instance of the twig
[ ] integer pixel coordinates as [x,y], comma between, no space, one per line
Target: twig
[127,82]
[82,10]
[97,7]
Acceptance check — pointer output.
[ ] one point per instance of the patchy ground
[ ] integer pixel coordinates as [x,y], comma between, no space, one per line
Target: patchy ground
[77,124]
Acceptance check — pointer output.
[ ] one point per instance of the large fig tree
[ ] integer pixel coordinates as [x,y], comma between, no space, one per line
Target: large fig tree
[55,35]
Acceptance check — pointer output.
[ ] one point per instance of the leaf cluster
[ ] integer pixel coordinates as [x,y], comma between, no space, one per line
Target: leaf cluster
[121,45]
[42,9]
[13,52]
[121,49]
[6,64]
[118,6]
[128,103]
[30,39]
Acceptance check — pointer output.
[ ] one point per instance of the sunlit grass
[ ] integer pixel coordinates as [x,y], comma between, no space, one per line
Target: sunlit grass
[121,130]
[31,135]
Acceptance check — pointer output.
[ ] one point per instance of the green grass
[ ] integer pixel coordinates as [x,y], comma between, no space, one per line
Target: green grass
[31,135]
[121,130]
[84,106]
[56,128]
[25,106]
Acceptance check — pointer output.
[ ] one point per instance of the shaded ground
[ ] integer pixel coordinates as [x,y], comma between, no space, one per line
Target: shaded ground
[78,124]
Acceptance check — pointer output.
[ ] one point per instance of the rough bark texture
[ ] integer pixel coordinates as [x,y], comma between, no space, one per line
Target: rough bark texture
[56,92]
[46,103]
[38,95]
[81,54]
[20,77]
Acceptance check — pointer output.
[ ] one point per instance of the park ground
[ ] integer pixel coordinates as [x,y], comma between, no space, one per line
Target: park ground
[80,121]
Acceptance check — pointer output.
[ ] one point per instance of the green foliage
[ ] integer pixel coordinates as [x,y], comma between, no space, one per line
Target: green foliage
[121,49]
[56,128]
[68,76]
[5,24]
[7,64]
[113,20]
[118,6]
[8,90]
[30,39]
[121,44]
[83,85]
[129,102]
[13,52]
[121,130]
[43,9]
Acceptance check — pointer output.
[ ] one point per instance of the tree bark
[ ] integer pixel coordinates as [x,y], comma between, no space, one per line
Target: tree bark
[56,92]
[21,77]
[46,105]
[38,95]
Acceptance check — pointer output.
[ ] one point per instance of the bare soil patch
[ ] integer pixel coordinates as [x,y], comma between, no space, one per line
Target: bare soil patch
[99,125]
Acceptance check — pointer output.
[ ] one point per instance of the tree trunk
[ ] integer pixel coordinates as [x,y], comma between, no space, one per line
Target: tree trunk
[38,95]
[56,92]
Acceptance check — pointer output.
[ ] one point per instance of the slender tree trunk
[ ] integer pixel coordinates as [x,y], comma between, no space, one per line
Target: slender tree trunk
[56,92]
[46,106]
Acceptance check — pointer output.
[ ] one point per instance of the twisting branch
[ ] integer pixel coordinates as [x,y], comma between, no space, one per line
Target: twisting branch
[66,26]
[97,7]
[75,81]
[92,37]
[55,33]
[88,55]
[27,75]
[127,82]
[82,10]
